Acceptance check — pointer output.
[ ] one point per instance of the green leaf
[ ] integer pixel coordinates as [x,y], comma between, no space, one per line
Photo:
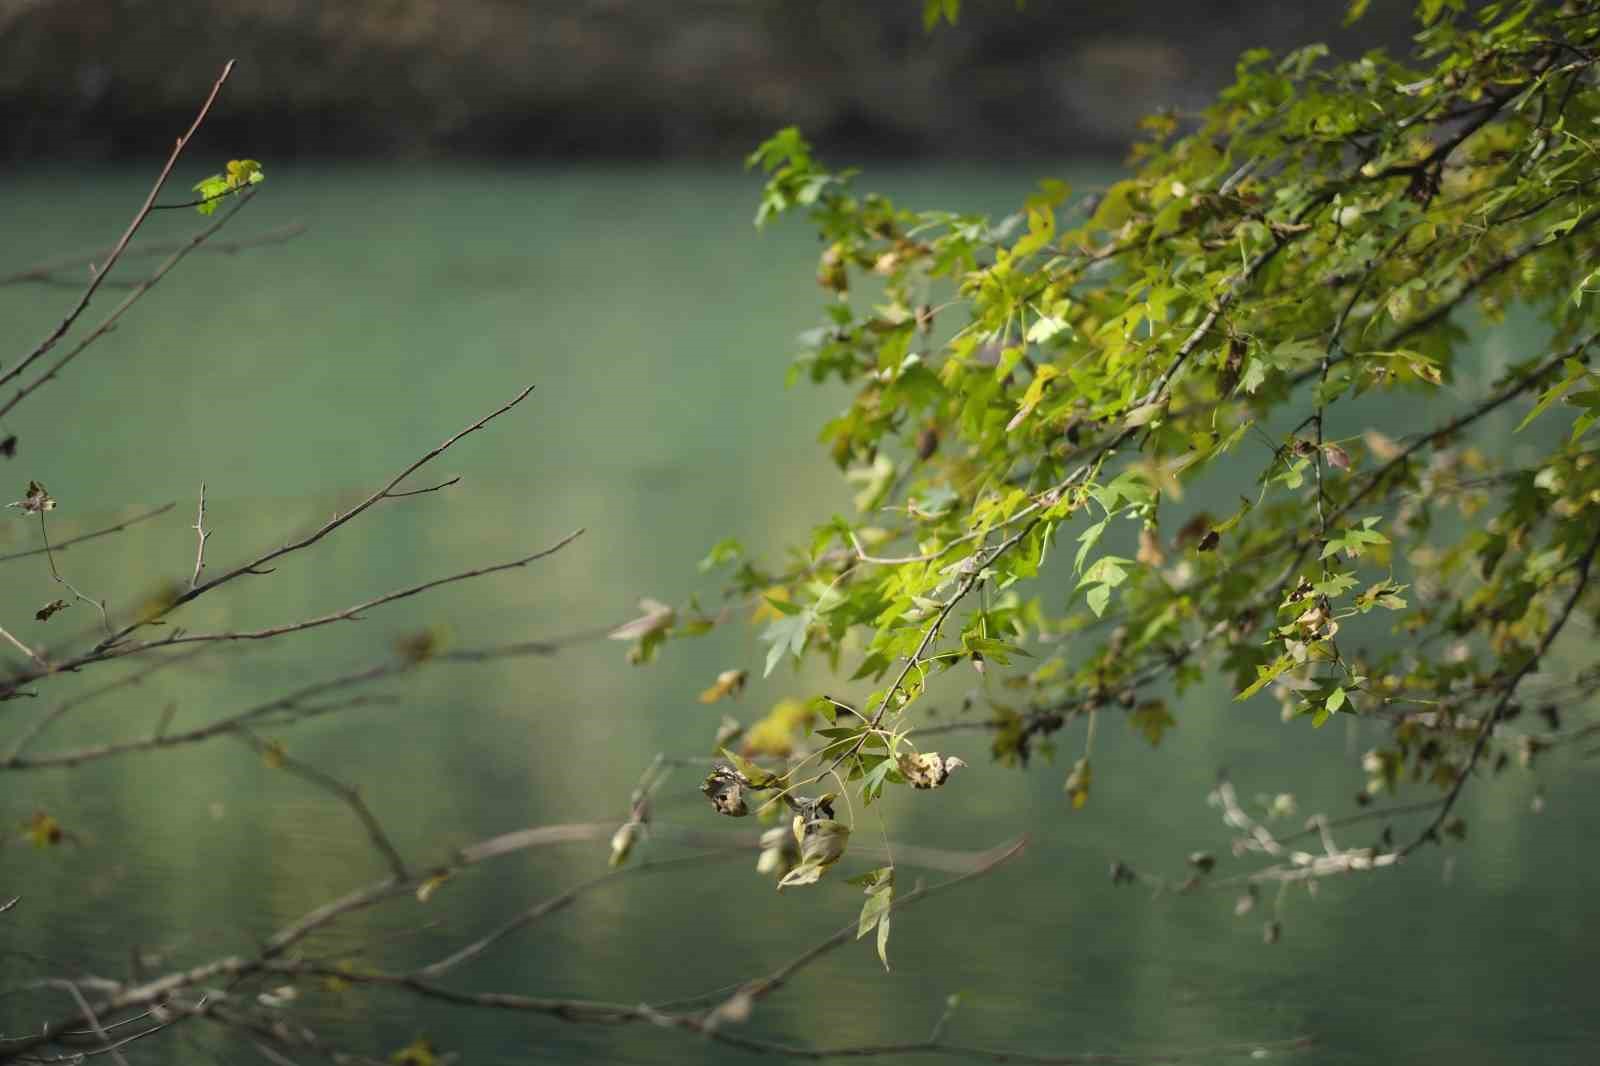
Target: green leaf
[787,634]
[1087,540]
[1047,327]
[210,191]
[1152,719]
[1265,675]
[1575,372]
[727,550]
[755,775]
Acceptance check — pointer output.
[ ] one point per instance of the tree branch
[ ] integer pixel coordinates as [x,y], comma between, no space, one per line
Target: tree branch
[116,252]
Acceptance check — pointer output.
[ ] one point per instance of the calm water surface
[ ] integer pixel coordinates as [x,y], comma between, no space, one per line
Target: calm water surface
[657,325]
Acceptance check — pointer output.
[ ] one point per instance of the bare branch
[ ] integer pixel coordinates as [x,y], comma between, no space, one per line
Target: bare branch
[110,321]
[352,613]
[45,273]
[765,986]
[61,546]
[328,783]
[121,245]
[553,904]
[431,488]
[296,701]
[29,652]
[105,652]
[1486,728]
[202,536]
[94,1020]
[259,562]
[32,733]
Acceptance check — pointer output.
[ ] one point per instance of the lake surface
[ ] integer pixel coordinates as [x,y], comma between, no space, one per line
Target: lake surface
[657,325]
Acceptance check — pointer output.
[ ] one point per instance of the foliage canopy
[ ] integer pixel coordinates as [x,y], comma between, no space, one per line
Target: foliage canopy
[1037,398]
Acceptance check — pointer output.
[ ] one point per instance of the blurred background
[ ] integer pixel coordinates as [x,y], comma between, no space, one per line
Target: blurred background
[632,79]
[466,197]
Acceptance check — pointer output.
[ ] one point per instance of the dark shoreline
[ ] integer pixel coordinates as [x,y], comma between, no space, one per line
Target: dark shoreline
[609,80]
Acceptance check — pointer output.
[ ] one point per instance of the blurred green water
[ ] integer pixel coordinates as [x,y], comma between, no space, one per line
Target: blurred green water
[656,324]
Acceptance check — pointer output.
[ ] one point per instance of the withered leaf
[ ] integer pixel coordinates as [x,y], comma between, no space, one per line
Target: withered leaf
[44,613]
[657,616]
[1150,553]
[729,683]
[36,500]
[43,830]
[928,769]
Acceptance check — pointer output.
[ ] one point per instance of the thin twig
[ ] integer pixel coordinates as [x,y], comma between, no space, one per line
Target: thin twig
[348,794]
[202,536]
[60,710]
[46,272]
[29,652]
[257,564]
[61,546]
[116,252]
[94,1020]
[109,323]
[1486,728]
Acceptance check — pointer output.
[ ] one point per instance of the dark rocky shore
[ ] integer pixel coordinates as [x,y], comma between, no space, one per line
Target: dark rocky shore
[628,79]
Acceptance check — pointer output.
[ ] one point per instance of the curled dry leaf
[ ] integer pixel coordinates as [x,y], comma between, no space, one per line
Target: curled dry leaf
[44,613]
[1382,447]
[725,789]
[1194,529]
[1337,457]
[420,646]
[657,617]
[35,500]
[1150,553]
[928,769]
[729,683]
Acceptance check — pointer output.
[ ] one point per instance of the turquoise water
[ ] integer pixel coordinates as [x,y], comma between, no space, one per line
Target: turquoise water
[656,324]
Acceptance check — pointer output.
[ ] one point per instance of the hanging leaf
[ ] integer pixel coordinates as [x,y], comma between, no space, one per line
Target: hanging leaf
[1152,719]
[728,683]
